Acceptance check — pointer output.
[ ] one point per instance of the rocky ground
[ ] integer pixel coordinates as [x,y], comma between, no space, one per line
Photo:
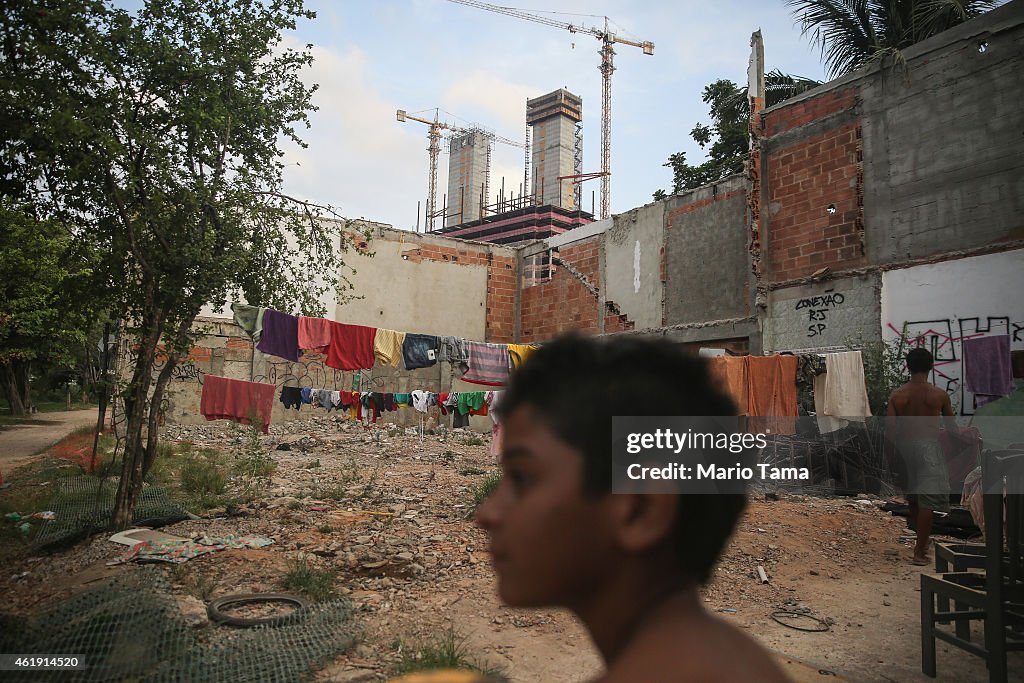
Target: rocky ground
[391,512]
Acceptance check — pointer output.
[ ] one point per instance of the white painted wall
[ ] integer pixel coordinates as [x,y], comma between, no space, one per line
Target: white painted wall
[940,304]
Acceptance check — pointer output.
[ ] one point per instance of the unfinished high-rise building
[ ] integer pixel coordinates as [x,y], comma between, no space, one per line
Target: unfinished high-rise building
[468,170]
[554,118]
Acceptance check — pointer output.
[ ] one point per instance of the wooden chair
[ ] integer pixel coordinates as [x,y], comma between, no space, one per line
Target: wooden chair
[995,596]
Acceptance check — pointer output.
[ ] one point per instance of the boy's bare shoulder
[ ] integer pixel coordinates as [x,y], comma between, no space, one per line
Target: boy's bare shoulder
[707,649]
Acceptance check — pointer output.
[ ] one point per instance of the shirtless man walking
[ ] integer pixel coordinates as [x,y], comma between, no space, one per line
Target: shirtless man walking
[917,442]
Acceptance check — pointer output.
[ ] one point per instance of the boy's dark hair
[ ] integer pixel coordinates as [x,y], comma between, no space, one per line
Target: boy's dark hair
[920,360]
[578,384]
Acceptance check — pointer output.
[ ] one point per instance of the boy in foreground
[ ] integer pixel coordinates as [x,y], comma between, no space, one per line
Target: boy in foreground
[628,565]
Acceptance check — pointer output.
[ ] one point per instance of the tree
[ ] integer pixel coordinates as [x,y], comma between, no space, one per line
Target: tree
[156,136]
[855,33]
[729,130]
[41,318]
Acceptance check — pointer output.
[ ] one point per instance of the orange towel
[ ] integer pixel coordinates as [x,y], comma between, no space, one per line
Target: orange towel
[771,390]
[730,373]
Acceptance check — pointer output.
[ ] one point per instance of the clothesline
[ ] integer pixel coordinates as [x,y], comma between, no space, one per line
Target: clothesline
[360,347]
[248,402]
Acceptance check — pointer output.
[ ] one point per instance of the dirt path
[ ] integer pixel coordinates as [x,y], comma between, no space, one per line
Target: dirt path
[19,442]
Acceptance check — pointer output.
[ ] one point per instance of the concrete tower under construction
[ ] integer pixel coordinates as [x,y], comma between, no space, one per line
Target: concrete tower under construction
[554,118]
[468,170]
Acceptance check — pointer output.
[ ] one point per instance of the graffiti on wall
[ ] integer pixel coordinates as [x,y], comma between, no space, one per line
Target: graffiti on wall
[943,338]
[817,310]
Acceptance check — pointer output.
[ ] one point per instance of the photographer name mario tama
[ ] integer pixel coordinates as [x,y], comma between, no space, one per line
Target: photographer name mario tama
[628,564]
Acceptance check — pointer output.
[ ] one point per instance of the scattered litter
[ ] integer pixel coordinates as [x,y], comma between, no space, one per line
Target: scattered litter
[132,537]
[761,574]
[178,551]
[25,528]
[48,514]
[12,517]
[729,610]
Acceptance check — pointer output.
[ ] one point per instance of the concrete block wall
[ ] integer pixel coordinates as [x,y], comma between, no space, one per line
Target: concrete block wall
[705,266]
[943,149]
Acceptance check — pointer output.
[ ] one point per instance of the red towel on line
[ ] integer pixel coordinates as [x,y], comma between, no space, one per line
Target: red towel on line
[314,334]
[235,399]
[351,346]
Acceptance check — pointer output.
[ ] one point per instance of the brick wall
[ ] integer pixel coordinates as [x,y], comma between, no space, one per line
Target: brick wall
[815,188]
[802,112]
[565,303]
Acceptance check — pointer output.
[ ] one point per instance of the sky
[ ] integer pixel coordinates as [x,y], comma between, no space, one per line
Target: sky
[372,58]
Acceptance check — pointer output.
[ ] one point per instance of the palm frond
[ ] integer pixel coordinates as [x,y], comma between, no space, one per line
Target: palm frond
[841,28]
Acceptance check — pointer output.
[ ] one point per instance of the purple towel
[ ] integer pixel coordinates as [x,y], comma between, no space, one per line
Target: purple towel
[280,335]
[987,371]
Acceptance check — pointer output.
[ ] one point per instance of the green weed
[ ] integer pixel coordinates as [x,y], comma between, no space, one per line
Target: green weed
[447,652]
[306,578]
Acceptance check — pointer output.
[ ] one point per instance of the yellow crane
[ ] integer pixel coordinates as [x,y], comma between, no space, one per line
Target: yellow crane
[436,126]
[607,52]
[435,150]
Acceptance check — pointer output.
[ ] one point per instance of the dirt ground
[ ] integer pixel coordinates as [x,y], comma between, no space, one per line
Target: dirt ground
[396,526]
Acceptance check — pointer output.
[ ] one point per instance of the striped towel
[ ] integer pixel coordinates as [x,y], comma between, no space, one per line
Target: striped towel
[488,364]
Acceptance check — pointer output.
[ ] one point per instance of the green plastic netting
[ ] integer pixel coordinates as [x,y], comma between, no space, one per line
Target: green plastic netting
[130,629]
[82,506]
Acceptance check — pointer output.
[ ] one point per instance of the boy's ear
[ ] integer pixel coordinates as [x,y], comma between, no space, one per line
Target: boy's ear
[643,521]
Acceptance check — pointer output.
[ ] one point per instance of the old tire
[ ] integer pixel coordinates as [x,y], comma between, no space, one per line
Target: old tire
[214,609]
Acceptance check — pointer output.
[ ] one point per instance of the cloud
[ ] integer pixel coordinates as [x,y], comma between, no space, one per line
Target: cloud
[359,158]
[501,104]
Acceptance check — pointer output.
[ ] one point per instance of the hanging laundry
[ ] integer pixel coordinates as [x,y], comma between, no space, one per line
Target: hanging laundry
[519,352]
[771,391]
[403,400]
[351,347]
[233,399]
[250,319]
[470,401]
[452,349]
[987,371]
[291,397]
[730,373]
[307,395]
[488,364]
[387,347]
[421,399]
[419,350]
[280,335]
[840,392]
[314,334]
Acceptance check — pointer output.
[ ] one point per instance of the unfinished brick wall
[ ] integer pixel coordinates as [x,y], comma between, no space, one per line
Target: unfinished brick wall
[565,303]
[815,188]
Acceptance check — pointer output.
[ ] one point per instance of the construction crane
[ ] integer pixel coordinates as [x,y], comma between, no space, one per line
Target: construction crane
[606,68]
[434,149]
